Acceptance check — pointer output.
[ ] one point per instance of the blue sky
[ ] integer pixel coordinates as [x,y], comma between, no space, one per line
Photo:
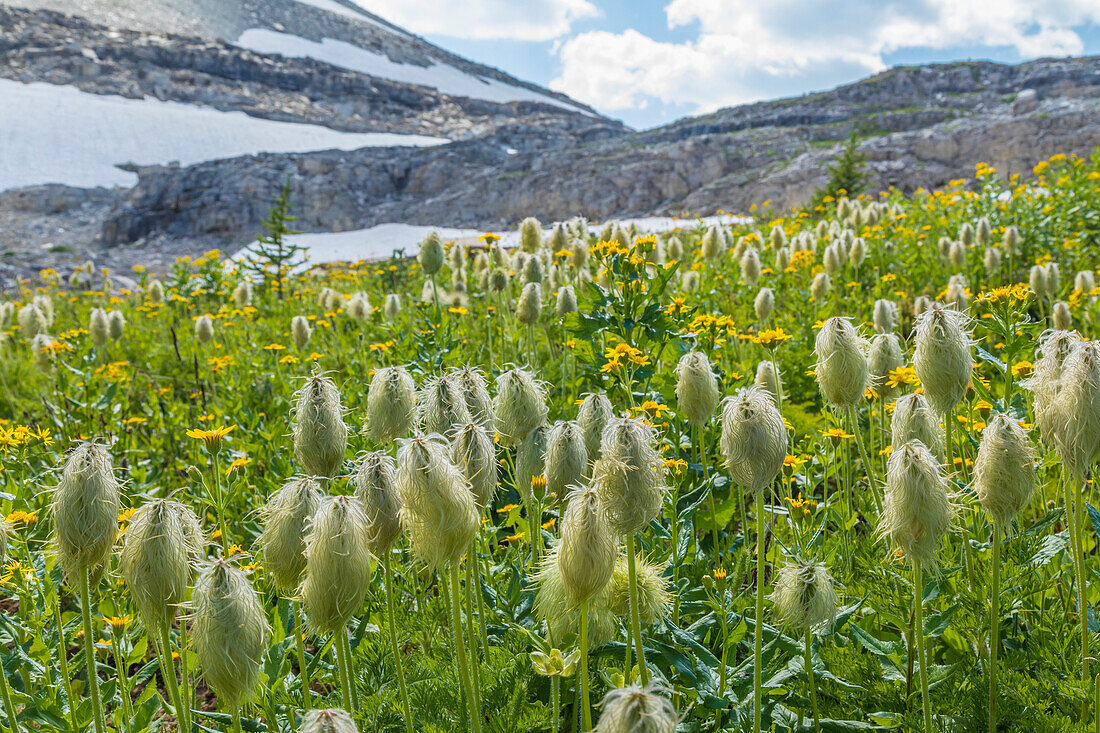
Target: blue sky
[650,62]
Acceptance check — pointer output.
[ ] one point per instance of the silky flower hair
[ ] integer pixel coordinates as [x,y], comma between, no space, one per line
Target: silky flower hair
[85,511]
[562,617]
[337,564]
[674,250]
[764,304]
[629,474]
[885,315]
[242,294]
[1004,470]
[592,417]
[116,325]
[520,406]
[750,266]
[204,329]
[529,305]
[917,510]
[533,272]
[1060,317]
[320,435]
[637,709]
[586,553]
[654,598]
[391,404]
[438,510]
[1046,378]
[819,289]
[841,366]
[158,548]
[333,720]
[566,457]
[884,356]
[1037,281]
[857,252]
[286,518]
[473,451]
[696,387]
[475,392]
[530,234]
[430,255]
[754,438]
[690,281]
[359,307]
[97,327]
[441,405]
[375,483]
[155,291]
[711,244]
[392,307]
[1075,411]
[804,596]
[942,357]
[31,321]
[913,419]
[768,379]
[991,260]
[230,633]
[567,301]
[300,331]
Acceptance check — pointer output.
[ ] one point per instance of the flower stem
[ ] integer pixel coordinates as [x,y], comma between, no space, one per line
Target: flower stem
[555,703]
[1082,587]
[342,668]
[62,658]
[394,648]
[300,642]
[99,718]
[460,652]
[994,627]
[811,683]
[9,706]
[867,467]
[582,680]
[757,681]
[918,632]
[635,612]
[168,672]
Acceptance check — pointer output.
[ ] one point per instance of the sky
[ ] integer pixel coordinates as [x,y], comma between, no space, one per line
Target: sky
[650,62]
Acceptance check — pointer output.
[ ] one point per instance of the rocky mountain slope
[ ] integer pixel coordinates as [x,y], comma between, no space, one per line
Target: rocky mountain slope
[473,147]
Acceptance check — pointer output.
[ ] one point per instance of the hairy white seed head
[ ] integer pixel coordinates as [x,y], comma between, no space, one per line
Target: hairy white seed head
[804,596]
[337,564]
[754,438]
[914,419]
[155,291]
[841,366]
[629,474]
[768,379]
[31,321]
[1010,240]
[885,315]
[917,510]
[984,233]
[1037,281]
[942,357]
[1054,278]
[750,266]
[674,249]
[204,329]
[320,434]
[654,598]
[300,331]
[566,457]
[1074,414]
[44,353]
[230,633]
[97,327]
[764,304]
[567,301]
[1004,470]
[520,405]
[441,405]
[711,245]
[391,404]
[116,325]
[562,617]
[966,234]
[333,720]
[456,256]
[592,417]
[957,294]
[375,483]
[529,305]
[991,260]
[782,259]
[1085,281]
[473,451]
[45,305]
[636,709]
[159,546]
[857,253]
[242,294]
[475,391]
[530,234]
[832,259]
[586,553]
[359,307]
[533,271]
[1060,316]
[921,304]
[690,281]
[957,255]
[438,510]
[430,255]
[819,288]
[286,517]
[85,511]
[696,387]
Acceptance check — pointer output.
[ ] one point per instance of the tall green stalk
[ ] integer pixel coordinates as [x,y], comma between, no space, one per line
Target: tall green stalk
[994,627]
[474,712]
[168,672]
[9,706]
[757,680]
[868,468]
[395,650]
[300,642]
[62,656]
[1079,570]
[810,681]
[582,680]
[918,632]
[635,612]
[343,665]
[99,718]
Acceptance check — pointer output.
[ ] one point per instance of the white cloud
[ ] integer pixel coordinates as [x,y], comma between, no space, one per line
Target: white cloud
[522,20]
[748,49]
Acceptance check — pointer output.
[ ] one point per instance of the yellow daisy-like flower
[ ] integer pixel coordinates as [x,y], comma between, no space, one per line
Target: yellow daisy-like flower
[211,438]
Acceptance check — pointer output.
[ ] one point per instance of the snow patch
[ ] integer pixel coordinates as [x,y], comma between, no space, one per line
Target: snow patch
[60,134]
[443,77]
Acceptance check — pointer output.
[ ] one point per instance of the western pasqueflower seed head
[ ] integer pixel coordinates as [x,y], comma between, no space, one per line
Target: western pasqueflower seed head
[914,419]
[754,438]
[530,234]
[942,358]
[567,301]
[563,617]
[391,404]
[764,304]
[842,372]
[885,315]
[116,325]
[300,331]
[696,387]
[359,307]
[337,564]
[438,509]
[566,457]
[159,546]
[586,553]
[333,720]
[1074,414]
[519,406]
[750,266]
[654,597]
[85,511]
[441,405]
[819,289]
[430,255]
[375,483]
[242,294]
[320,434]
[473,451]
[530,304]
[768,379]
[97,327]
[884,356]
[1060,316]
[204,329]
[1004,469]
[392,307]
[592,417]
[286,518]
[804,596]
[475,391]
[629,474]
[637,709]
[917,510]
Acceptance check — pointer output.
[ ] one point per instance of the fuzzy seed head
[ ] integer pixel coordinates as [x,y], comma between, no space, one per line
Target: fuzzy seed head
[1074,414]
[1085,281]
[674,250]
[242,294]
[375,483]
[286,518]
[832,259]
[566,457]
[43,354]
[430,255]
[804,596]
[85,511]
[842,372]
[654,597]
[636,709]
[438,509]
[567,301]
[1061,318]
[562,617]
[917,510]
[533,271]
[320,434]
[992,260]
[1010,240]
[473,451]
[957,255]
[768,379]
[1004,470]
[711,246]
[204,329]
[333,720]
[819,289]
[764,304]
[98,328]
[116,325]
[158,549]
[942,357]
[300,331]
[884,356]
[230,633]
[885,315]
[629,474]
[475,391]
[441,405]
[391,405]
[1037,281]
[586,553]
[155,291]
[359,307]
[857,252]
[696,387]
[337,564]
[530,234]
[392,307]
[754,438]
[750,266]
[592,417]
[914,419]
[529,305]
[690,281]
[520,406]
[31,321]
